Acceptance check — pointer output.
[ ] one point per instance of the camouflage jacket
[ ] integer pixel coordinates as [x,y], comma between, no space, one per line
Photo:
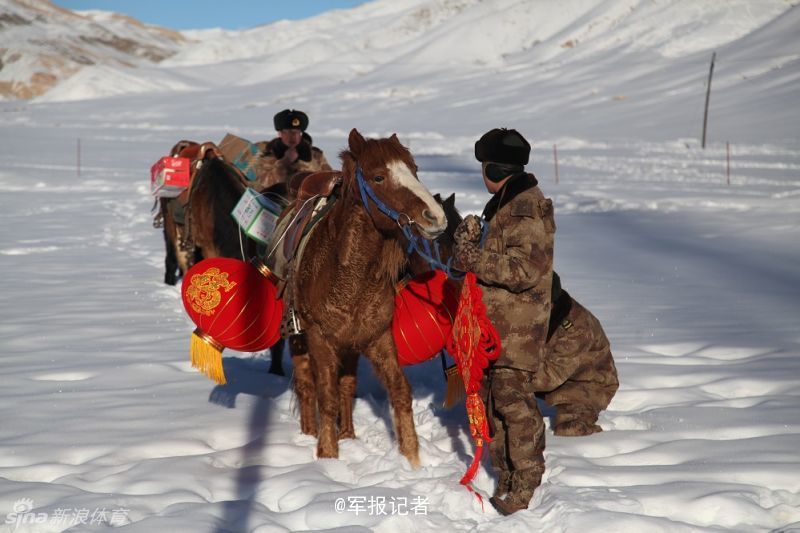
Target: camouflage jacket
[515,270]
[270,170]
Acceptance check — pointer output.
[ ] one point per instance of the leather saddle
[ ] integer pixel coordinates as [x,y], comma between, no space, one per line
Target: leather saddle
[315,195]
[314,186]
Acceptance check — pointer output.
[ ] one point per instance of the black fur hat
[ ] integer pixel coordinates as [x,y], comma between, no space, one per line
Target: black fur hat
[291,119]
[503,146]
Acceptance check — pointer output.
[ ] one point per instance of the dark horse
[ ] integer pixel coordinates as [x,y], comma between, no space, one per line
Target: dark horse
[197,223]
[344,286]
[215,191]
[206,228]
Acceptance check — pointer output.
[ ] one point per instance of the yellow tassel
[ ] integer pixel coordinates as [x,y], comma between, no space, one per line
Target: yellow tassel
[206,354]
[455,387]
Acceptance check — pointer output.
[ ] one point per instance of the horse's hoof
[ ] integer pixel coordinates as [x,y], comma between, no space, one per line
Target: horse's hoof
[348,434]
[414,462]
[332,453]
[309,431]
[277,371]
[170,280]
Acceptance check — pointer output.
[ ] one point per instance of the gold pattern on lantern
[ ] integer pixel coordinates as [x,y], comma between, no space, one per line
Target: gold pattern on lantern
[204,293]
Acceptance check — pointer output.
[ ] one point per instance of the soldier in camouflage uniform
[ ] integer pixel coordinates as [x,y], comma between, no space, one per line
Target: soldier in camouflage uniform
[514,267]
[577,376]
[289,153]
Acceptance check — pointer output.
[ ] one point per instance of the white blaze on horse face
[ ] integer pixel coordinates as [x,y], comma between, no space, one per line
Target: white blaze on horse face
[435,222]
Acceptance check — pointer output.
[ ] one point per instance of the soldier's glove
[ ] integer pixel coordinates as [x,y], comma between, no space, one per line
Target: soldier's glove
[467,255]
[469,230]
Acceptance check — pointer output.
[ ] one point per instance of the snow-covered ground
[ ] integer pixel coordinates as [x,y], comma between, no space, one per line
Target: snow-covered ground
[696,282]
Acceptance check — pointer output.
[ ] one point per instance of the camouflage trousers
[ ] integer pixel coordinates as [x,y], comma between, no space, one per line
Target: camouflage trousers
[577,375]
[517,445]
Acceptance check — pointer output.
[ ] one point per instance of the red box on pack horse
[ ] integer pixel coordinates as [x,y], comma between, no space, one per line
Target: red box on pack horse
[169,176]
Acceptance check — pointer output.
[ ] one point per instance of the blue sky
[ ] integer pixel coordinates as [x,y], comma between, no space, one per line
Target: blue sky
[197,14]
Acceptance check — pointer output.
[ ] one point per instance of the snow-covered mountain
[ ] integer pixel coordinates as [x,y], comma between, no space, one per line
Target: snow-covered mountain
[612,59]
[41,45]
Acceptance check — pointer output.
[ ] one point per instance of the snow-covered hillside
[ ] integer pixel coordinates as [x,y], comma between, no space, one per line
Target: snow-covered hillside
[41,45]
[558,66]
[696,281]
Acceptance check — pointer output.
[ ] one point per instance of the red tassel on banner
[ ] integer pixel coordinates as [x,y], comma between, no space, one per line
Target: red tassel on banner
[473,343]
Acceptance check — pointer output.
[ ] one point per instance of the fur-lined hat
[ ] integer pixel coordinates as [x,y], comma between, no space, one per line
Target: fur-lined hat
[503,146]
[291,119]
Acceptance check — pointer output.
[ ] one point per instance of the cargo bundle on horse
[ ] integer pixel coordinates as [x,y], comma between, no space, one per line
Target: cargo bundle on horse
[343,289]
[180,256]
[197,222]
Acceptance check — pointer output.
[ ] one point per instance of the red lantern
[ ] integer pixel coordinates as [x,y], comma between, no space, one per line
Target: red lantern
[234,305]
[423,317]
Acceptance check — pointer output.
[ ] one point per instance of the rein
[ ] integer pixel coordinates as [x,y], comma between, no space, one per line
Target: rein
[415,243]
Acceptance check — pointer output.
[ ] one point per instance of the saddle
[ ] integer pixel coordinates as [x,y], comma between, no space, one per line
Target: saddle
[315,184]
[315,196]
[319,185]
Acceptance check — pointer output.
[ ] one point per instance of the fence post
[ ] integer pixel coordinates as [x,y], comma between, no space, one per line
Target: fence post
[728,160]
[555,160]
[708,96]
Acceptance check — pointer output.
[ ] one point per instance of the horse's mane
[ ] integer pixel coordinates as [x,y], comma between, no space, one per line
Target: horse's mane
[224,189]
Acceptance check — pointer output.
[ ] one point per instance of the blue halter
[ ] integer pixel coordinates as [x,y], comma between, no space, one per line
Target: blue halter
[431,255]
[367,192]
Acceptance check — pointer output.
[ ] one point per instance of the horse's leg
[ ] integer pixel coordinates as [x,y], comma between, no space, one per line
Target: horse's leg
[306,393]
[383,355]
[347,393]
[276,358]
[170,242]
[196,256]
[326,376]
[183,257]
[170,261]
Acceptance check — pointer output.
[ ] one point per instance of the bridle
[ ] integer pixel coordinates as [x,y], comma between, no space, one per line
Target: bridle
[423,247]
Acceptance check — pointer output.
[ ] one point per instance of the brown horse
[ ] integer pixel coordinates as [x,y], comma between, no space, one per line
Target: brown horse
[439,257]
[343,289]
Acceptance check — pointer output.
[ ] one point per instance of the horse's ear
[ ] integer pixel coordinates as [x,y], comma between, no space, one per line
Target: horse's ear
[450,200]
[394,138]
[356,141]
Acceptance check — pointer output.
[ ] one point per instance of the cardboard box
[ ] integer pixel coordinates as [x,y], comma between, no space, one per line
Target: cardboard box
[169,176]
[257,215]
[241,153]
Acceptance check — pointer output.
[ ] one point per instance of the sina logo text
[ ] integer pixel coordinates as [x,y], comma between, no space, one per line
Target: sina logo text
[21,514]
